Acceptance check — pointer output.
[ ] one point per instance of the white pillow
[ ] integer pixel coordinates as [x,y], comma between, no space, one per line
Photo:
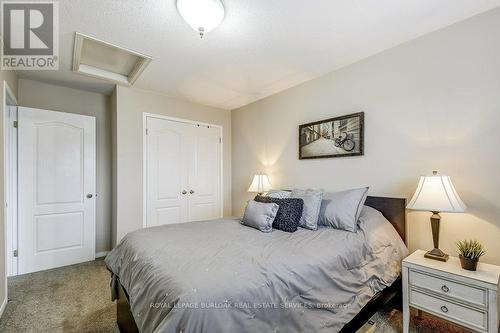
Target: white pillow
[278,194]
[341,210]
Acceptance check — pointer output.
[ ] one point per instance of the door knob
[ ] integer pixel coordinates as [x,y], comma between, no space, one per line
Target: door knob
[89,195]
[191,192]
[184,192]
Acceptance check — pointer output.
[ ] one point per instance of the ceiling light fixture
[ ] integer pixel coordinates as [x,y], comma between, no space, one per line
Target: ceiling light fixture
[202,15]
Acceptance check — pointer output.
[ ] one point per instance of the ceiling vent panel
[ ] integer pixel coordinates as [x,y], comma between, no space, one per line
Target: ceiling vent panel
[106,61]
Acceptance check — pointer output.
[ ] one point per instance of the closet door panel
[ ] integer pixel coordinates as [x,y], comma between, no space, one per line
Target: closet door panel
[204,174]
[167,174]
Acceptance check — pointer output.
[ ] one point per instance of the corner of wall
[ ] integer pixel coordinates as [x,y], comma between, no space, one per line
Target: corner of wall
[114,190]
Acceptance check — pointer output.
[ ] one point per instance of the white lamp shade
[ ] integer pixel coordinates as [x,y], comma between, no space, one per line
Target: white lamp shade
[260,184]
[201,15]
[436,193]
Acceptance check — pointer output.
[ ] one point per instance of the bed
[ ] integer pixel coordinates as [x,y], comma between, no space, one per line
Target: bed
[220,276]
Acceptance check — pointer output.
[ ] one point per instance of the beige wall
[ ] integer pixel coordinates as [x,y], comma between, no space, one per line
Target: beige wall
[51,97]
[11,79]
[131,104]
[430,104]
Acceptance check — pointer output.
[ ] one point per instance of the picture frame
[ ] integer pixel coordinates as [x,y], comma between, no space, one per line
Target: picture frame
[341,136]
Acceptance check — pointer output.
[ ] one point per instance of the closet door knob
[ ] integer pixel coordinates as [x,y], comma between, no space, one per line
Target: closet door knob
[184,192]
[191,192]
[89,195]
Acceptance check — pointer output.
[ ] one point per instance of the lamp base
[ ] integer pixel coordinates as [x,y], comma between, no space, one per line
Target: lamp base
[436,254]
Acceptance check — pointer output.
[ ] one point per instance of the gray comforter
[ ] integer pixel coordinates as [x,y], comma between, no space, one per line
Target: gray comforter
[221,276]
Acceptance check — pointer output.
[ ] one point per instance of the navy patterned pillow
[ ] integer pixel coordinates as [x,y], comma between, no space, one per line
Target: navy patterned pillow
[289,212]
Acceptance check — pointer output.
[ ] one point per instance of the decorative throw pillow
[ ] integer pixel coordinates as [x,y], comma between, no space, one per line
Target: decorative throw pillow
[260,215]
[341,210]
[289,212]
[312,204]
[280,194]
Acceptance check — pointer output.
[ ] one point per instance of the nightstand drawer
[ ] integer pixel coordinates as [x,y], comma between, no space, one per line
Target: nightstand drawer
[456,290]
[468,317]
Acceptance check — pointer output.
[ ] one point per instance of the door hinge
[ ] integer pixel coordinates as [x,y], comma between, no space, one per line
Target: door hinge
[15,124]
[147,132]
[220,140]
[15,253]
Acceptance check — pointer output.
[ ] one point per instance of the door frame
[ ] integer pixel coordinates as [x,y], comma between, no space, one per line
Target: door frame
[9,181]
[145,116]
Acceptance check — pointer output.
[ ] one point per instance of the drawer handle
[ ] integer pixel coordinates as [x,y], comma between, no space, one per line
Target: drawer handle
[444,309]
[445,289]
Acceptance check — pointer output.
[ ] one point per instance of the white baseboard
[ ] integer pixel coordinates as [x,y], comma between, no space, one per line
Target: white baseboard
[101,254]
[4,304]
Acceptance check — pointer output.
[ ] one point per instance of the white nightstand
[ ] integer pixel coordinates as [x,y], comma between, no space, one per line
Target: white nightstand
[444,289]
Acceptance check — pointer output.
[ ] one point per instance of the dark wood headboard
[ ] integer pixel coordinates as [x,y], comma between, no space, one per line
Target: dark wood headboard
[394,209]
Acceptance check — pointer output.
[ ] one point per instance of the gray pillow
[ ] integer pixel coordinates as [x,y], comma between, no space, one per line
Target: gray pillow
[312,204]
[279,194]
[260,215]
[341,210]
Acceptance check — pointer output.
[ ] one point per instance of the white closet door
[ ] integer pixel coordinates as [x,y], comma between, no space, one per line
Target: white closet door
[204,174]
[57,181]
[183,172]
[167,171]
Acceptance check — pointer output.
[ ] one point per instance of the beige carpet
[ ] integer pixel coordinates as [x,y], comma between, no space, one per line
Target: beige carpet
[77,299]
[70,299]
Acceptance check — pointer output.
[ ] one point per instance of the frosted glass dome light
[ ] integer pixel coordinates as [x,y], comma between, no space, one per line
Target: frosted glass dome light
[202,15]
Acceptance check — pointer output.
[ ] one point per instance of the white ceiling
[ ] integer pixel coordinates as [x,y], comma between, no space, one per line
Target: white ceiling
[262,46]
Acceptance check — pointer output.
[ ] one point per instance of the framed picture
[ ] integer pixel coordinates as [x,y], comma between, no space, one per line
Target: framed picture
[335,137]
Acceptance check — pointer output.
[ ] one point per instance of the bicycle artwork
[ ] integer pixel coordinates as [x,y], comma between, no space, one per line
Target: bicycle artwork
[347,143]
[335,137]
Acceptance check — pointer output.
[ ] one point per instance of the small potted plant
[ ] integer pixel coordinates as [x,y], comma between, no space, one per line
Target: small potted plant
[469,253]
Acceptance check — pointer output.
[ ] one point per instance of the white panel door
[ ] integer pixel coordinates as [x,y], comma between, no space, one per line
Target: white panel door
[167,171]
[183,172]
[204,174]
[57,181]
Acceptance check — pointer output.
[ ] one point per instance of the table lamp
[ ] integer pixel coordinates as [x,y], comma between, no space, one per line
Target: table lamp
[260,184]
[436,194]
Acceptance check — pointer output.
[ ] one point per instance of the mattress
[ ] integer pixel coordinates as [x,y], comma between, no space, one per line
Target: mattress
[221,276]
